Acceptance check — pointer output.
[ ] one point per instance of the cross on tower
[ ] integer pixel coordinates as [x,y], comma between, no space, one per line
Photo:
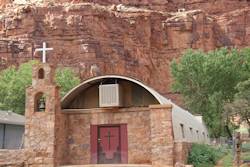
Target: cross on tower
[43,49]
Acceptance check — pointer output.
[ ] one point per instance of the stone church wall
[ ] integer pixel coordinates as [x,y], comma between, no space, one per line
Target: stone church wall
[150,138]
[162,137]
[181,149]
[13,158]
[138,127]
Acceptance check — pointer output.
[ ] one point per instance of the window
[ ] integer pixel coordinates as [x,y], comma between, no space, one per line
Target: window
[41,73]
[191,132]
[197,133]
[182,131]
[204,136]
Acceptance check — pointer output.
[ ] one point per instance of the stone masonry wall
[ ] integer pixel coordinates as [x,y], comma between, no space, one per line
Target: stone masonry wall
[150,138]
[61,149]
[162,137]
[40,126]
[181,149]
[44,136]
[14,158]
[138,127]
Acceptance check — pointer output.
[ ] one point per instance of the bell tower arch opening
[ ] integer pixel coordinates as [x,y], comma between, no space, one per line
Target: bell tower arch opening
[40,102]
[41,73]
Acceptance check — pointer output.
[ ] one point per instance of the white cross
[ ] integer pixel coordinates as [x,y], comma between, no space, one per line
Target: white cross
[43,49]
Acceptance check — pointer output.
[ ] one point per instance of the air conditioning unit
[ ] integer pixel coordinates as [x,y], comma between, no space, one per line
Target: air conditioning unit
[110,95]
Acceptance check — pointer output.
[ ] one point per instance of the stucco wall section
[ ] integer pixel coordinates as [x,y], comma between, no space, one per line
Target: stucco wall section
[193,130]
[138,127]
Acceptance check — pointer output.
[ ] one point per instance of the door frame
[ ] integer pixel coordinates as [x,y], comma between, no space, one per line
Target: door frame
[94,142]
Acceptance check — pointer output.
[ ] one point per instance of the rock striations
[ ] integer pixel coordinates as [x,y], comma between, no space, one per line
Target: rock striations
[132,38]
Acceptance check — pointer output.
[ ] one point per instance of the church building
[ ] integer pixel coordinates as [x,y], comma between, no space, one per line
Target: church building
[108,119]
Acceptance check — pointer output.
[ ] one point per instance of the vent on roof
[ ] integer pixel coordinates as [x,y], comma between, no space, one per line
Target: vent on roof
[110,95]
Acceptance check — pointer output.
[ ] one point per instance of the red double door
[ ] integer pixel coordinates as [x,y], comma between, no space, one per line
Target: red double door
[109,144]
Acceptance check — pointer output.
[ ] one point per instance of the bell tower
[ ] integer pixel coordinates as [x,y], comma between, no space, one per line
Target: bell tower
[44,121]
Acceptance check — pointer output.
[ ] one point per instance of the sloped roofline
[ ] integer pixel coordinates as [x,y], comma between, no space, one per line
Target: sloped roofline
[8,117]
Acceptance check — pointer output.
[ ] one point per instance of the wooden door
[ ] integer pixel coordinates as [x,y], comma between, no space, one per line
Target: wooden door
[109,144]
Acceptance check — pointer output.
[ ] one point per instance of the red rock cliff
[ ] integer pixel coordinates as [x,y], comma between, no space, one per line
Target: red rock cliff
[98,39]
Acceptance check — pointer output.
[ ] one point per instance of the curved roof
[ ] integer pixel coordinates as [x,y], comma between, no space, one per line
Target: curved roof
[71,94]
[179,115]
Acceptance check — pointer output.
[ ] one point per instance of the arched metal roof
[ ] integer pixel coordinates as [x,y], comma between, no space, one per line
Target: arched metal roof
[71,94]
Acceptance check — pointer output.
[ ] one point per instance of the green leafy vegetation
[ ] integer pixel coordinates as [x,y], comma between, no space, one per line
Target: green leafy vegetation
[227,161]
[246,151]
[202,155]
[14,81]
[66,79]
[240,106]
[246,156]
[208,81]
[246,147]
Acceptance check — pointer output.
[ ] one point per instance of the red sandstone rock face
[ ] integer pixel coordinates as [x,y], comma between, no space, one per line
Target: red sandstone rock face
[214,7]
[235,27]
[116,39]
[209,6]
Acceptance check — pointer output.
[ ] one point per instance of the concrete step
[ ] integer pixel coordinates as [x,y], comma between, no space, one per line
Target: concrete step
[109,165]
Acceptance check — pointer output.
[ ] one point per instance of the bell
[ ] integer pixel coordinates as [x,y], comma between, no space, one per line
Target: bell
[41,106]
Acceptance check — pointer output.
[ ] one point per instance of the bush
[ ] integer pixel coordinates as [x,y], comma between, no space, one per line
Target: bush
[245,147]
[66,79]
[202,155]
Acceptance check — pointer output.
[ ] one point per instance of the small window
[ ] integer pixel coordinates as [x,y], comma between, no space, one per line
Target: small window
[197,133]
[40,104]
[204,136]
[182,131]
[191,132]
[41,73]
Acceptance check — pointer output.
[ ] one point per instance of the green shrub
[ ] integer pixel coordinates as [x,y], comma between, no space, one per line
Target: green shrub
[202,155]
[245,147]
